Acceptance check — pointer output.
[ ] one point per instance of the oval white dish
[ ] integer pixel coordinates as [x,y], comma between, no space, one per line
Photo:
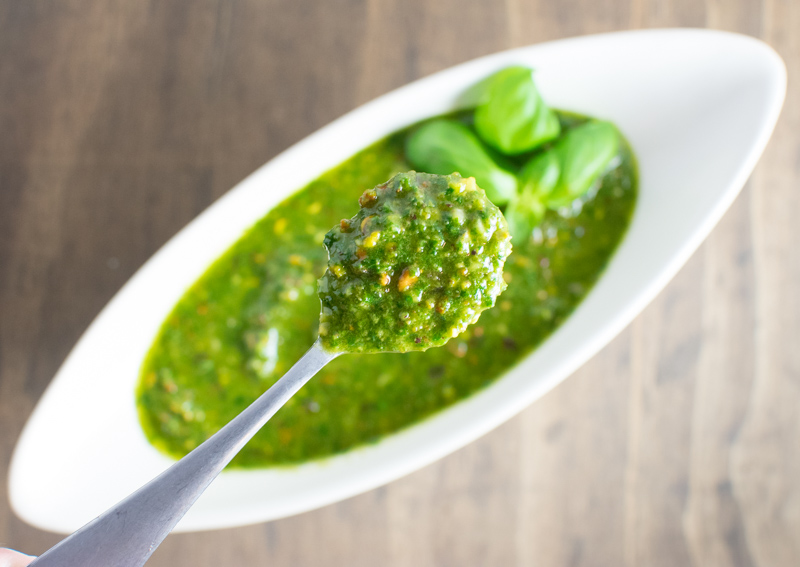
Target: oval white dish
[698,108]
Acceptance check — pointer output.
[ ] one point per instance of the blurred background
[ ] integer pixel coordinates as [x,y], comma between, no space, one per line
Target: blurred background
[678,444]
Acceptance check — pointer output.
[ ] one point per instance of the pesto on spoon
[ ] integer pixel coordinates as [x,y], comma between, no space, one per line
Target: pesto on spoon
[419,262]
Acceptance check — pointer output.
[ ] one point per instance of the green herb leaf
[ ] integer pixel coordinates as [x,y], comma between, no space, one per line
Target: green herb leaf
[446,146]
[540,175]
[523,214]
[513,117]
[558,176]
[583,153]
[536,181]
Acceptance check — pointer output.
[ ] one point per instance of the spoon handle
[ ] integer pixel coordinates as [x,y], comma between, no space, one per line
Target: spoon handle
[128,533]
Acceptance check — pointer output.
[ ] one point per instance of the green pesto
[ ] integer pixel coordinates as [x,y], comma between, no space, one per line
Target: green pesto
[255,312]
[419,262]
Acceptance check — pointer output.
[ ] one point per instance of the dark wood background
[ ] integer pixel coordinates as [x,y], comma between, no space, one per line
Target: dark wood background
[678,444]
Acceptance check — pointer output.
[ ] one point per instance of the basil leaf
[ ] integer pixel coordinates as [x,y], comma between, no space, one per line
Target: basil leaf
[536,181]
[560,175]
[523,214]
[446,146]
[583,153]
[513,117]
[540,175]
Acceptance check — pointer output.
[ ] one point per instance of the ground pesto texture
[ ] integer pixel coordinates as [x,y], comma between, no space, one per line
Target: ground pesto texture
[255,312]
[418,263]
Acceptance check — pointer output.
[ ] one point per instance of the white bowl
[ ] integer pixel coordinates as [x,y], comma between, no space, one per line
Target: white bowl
[698,108]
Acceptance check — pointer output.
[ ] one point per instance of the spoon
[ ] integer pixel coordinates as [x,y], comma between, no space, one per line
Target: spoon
[127,534]
[446,214]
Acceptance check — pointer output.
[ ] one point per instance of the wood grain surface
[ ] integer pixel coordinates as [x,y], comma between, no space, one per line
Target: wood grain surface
[678,444]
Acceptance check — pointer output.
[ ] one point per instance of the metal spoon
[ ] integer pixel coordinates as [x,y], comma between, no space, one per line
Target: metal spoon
[129,532]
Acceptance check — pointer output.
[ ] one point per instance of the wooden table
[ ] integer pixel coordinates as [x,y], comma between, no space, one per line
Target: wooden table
[678,444]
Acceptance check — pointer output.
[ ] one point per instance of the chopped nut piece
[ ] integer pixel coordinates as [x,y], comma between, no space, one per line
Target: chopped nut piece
[368,198]
[406,280]
[371,240]
[365,222]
